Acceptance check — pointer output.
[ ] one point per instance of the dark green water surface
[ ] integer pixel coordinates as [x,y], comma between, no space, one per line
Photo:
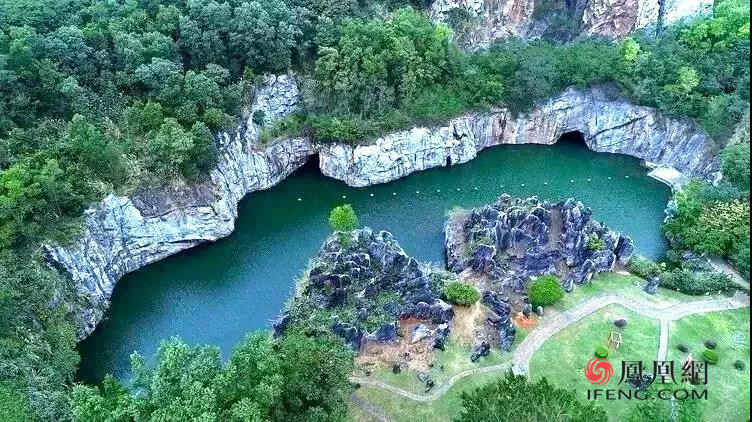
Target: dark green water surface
[216,293]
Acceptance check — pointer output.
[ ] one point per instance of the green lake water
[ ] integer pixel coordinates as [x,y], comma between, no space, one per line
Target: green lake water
[216,293]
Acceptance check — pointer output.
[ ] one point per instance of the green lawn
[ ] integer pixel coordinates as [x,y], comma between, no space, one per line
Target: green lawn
[728,388]
[444,408]
[455,358]
[625,285]
[563,357]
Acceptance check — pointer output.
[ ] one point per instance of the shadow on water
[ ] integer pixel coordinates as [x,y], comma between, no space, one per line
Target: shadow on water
[216,293]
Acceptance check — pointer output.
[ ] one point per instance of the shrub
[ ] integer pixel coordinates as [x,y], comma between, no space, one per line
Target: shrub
[601,352]
[710,344]
[739,365]
[460,293]
[258,117]
[546,291]
[683,348]
[621,323]
[595,244]
[695,283]
[643,267]
[711,356]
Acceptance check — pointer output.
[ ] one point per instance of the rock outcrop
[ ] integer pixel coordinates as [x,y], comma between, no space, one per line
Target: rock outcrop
[505,245]
[480,22]
[514,240]
[361,285]
[607,125]
[123,233]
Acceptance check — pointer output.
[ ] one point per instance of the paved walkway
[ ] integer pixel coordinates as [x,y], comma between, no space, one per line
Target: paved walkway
[526,349]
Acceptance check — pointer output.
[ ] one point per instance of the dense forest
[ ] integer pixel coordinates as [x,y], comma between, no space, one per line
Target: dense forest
[103,96]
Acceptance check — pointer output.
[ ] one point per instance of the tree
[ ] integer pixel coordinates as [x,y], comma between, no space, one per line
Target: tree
[735,163]
[513,397]
[343,218]
[293,378]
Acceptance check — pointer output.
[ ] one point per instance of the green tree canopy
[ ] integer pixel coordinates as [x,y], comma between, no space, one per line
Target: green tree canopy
[513,397]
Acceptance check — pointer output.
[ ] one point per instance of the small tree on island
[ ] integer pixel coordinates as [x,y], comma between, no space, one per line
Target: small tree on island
[343,219]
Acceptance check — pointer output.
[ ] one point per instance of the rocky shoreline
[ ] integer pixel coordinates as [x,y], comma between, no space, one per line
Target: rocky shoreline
[123,233]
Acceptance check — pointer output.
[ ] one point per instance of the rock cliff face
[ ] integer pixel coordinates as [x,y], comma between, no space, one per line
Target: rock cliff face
[479,22]
[607,125]
[123,234]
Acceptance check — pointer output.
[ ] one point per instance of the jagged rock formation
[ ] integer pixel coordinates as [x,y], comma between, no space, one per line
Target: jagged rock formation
[514,239]
[607,125]
[362,287]
[480,22]
[508,243]
[123,233]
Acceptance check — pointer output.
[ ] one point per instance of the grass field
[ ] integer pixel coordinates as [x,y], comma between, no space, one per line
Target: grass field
[446,408]
[624,285]
[728,388]
[562,359]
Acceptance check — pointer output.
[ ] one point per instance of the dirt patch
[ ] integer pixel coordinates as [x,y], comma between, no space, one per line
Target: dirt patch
[526,322]
[418,356]
[467,322]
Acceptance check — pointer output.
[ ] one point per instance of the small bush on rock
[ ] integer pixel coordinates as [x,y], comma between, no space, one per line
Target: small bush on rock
[711,356]
[601,352]
[460,293]
[710,344]
[595,244]
[739,365]
[683,348]
[546,291]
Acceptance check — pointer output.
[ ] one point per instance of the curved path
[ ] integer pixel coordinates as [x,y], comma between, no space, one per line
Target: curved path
[535,339]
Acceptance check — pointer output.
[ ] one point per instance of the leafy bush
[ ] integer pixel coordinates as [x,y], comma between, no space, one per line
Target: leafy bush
[683,348]
[460,293]
[687,280]
[546,291]
[735,164]
[621,322]
[601,352]
[739,365]
[711,356]
[595,244]
[645,268]
[695,283]
[710,344]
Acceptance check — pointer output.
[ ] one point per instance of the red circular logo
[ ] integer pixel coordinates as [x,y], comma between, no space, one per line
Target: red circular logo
[598,371]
